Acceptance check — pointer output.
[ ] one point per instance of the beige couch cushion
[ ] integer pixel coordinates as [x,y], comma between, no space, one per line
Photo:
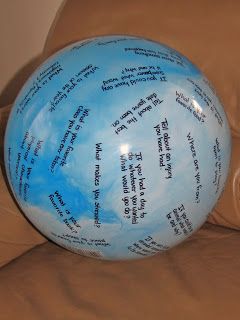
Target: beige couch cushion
[197,280]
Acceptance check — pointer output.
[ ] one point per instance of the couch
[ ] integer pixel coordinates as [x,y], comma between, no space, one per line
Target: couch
[198,279]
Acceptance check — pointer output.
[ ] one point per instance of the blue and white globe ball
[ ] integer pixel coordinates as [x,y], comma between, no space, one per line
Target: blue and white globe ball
[117,147]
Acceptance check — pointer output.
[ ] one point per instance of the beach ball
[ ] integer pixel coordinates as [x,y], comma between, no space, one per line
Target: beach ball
[117,147]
